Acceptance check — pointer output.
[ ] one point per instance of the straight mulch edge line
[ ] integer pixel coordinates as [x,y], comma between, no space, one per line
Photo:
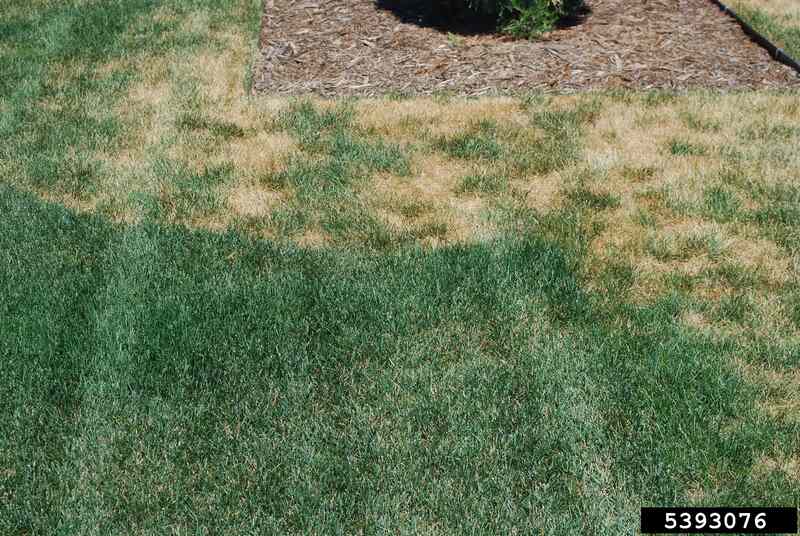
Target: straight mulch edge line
[776,52]
[257,62]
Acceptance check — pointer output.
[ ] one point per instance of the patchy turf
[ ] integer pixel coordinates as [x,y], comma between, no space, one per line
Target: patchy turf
[229,315]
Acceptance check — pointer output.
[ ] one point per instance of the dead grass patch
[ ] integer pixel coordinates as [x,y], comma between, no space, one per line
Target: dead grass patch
[626,157]
[772,320]
[251,201]
[220,76]
[434,180]
[148,114]
[788,466]
[781,379]
[542,193]
[763,257]
[313,239]
[662,227]
[427,206]
[466,222]
[697,320]
[80,205]
[785,409]
[697,495]
[625,236]
[260,155]
[630,144]
[783,390]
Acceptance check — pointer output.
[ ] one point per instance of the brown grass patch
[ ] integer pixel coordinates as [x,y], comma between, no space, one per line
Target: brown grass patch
[426,204]
[622,235]
[433,182]
[763,256]
[465,221]
[148,113]
[79,205]
[542,193]
[783,379]
[313,239]
[260,155]
[626,154]
[251,201]
[678,251]
[790,467]
[631,143]
[787,410]
[697,495]
[628,146]
[696,320]
[783,387]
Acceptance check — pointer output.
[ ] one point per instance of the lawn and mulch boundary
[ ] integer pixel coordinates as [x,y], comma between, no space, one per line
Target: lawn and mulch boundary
[778,20]
[358,47]
[775,50]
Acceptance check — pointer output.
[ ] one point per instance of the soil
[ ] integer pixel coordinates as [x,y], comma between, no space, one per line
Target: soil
[377,47]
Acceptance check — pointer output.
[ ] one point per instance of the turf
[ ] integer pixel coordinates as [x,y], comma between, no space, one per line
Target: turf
[169,378]
[224,315]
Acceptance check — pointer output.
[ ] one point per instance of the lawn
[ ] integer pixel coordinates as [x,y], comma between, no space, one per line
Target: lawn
[225,314]
[778,20]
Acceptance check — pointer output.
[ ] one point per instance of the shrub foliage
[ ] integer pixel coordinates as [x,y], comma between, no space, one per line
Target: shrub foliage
[522,18]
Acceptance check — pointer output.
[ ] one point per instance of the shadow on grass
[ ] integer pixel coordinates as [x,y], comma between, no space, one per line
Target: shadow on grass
[192,377]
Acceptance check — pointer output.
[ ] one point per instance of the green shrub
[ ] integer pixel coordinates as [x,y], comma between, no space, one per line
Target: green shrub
[522,18]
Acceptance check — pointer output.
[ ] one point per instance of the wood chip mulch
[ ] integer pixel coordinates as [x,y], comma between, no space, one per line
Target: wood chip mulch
[355,47]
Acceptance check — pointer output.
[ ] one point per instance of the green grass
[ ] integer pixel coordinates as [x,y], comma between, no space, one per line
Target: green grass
[479,143]
[593,200]
[561,143]
[217,128]
[782,28]
[188,379]
[695,122]
[483,183]
[191,192]
[158,378]
[722,204]
[346,154]
[685,148]
[337,159]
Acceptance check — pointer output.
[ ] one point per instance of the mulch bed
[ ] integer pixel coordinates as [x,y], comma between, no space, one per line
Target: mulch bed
[356,47]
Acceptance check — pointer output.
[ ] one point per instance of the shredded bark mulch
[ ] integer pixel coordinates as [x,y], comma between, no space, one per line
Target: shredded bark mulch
[374,47]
